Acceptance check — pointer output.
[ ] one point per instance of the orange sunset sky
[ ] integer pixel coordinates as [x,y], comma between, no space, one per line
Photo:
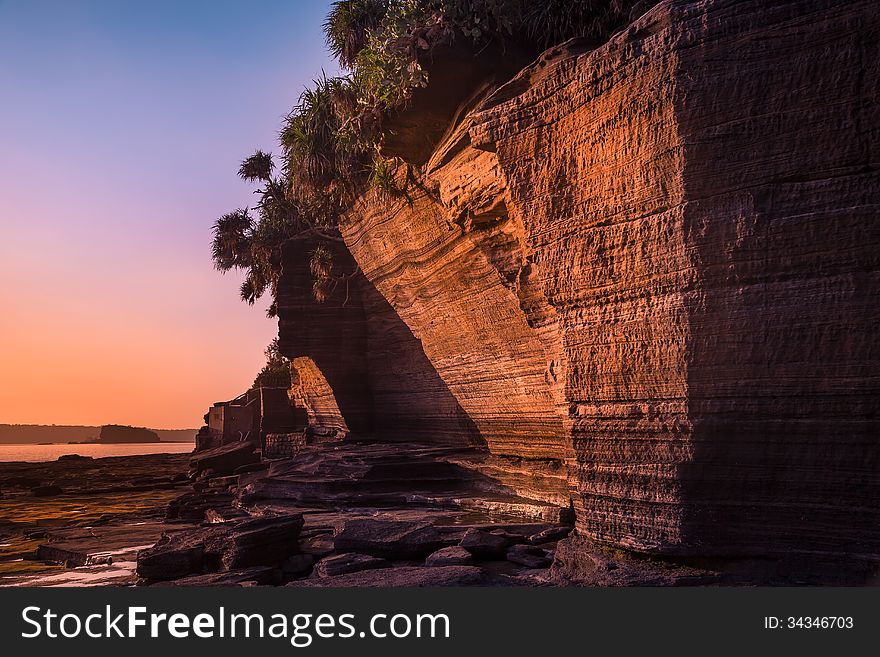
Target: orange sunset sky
[122,127]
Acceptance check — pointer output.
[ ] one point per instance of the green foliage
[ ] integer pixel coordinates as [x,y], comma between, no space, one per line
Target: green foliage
[257,167]
[323,148]
[384,42]
[348,26]
[321,267]
[383,177]
[552,21]
[254,245]
[276,371]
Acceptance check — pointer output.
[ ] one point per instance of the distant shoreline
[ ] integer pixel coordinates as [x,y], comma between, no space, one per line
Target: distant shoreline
[35,453]
[33,434]
[95,442]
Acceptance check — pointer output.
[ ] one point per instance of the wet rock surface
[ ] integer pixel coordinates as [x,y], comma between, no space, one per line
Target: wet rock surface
[107,510]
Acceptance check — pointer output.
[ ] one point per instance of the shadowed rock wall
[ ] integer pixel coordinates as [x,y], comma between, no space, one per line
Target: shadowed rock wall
[356,367]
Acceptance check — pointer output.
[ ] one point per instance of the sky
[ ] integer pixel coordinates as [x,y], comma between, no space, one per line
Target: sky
[122,126]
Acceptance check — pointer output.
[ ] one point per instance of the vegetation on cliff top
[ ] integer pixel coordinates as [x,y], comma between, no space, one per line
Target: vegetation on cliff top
[276,371]
[330,141]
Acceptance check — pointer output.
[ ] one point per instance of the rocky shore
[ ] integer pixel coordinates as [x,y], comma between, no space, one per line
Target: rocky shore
[342,514]
[334,515]
[81,521]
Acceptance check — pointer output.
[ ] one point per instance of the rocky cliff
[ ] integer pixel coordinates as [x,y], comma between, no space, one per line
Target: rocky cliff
[645,277]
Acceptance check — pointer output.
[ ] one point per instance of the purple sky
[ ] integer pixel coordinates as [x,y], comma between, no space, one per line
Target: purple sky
[122,125]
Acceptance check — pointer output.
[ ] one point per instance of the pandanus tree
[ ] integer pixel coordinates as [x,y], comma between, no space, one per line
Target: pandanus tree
[253,243]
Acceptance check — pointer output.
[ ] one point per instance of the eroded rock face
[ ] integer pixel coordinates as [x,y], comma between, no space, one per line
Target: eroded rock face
[704,220]
[648,274]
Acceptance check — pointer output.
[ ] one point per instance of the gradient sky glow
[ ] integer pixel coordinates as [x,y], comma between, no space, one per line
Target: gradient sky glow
[122,125]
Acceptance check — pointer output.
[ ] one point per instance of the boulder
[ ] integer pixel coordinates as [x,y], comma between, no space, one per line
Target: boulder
[230,546]
[390,539]
[224,460]
[178,555]
[262,541]
[350,562]
[485,545]
[454,555]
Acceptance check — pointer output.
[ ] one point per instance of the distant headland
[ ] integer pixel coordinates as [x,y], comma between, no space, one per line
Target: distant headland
[109,433]
[116,433]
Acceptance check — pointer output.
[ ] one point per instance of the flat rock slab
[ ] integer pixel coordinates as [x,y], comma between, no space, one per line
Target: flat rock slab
[182,554]
[406,576]
[350,562]
[389,539]
[101,545]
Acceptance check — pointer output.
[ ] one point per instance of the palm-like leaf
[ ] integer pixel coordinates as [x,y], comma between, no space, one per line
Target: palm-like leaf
[348,26]
[232,238]
[257,167]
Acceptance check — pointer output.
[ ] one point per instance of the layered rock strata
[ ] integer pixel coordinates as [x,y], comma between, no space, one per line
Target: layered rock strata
[651,269]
